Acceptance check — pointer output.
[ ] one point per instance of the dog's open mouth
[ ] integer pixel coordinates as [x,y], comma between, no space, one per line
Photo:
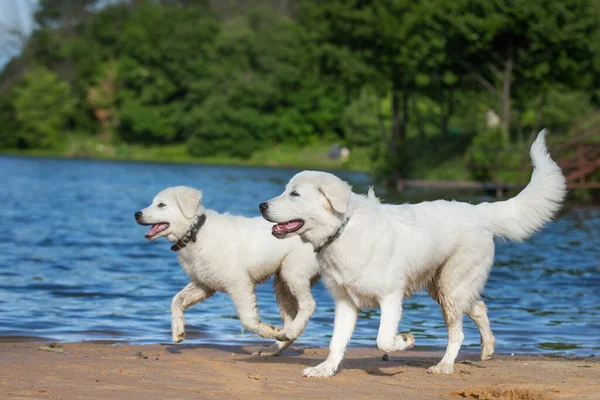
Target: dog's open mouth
[156,229]
[287,227]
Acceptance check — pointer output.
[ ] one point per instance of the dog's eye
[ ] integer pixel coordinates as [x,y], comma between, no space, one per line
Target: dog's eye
[294,194]
[161,205]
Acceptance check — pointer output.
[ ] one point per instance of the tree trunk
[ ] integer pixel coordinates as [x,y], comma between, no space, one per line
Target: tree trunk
[506,85]
[447,109]
[404,122]
[520,134]
[538,117]
[395,141]
[396,128]
[443,120]
[419,118]
[399,123]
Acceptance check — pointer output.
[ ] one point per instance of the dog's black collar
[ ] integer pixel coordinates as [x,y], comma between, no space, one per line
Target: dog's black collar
[199,220]
[336,235]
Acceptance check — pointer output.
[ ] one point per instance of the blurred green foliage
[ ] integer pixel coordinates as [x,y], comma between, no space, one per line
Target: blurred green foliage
[40,110]
[406,83]
[485,153]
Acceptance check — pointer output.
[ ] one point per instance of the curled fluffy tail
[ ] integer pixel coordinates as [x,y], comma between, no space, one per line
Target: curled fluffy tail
[518,218]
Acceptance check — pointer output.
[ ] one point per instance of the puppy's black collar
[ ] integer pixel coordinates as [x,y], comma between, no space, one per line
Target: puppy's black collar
[199,220]
[336,235]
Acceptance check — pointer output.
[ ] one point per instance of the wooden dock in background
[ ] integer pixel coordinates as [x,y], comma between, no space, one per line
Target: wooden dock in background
[578,156]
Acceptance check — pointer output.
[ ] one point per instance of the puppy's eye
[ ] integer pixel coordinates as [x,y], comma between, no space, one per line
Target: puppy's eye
[294,194]
[161,205]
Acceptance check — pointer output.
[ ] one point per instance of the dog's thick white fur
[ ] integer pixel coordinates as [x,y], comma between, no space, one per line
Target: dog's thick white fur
[373,254]
[232,254]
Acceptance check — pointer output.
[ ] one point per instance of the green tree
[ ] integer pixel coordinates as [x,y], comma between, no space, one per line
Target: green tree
[399,76]
[43,107]
[262,87]
[520,48]
[9,127]
[402,41]
[163,54]
[75,41]
[361,120]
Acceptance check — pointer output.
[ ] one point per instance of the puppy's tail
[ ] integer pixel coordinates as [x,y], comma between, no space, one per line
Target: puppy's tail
[518,218]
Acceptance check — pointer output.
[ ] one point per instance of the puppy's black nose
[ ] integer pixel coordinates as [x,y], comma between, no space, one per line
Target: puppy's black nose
[263,207]
[138,215]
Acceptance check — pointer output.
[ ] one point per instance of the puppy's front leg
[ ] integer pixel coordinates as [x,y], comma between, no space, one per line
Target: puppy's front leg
[346,314]
[245,301]
[187,297]
[388,338]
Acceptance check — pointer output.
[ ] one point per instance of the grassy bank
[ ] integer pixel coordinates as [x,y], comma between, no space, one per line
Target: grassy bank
[432,164]
[313,156]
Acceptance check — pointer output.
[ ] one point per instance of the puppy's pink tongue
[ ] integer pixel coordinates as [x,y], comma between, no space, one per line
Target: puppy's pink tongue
[155,229]
[286,227]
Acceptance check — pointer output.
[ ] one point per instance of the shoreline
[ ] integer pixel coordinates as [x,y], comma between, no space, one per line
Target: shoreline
[124,371]
[298,346]
[233,162]
[189,160]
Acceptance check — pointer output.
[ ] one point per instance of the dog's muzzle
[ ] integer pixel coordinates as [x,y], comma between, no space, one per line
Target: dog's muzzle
[263,207]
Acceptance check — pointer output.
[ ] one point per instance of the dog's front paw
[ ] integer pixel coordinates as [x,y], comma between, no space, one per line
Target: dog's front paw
[287,335]
[268,331]
[178,329]
[441,368]
[323,370]
[178,337]
[404,341]
[272,350]
[487,349]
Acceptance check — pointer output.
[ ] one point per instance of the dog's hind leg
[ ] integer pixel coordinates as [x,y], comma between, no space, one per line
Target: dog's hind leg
[244,299]
[453,316]
[187,297]
[455,286]
[478,313]
[288,308]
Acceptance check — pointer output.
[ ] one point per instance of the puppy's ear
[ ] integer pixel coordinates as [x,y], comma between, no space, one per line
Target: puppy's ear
[336,191]
[188,200]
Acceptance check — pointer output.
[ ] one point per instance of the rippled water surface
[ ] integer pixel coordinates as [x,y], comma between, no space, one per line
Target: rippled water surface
[74,266]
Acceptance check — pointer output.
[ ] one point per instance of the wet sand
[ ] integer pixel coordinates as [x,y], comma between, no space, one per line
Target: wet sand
[103,371]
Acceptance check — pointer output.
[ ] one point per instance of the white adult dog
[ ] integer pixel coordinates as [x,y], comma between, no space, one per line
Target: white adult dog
[373,254]
[231,254]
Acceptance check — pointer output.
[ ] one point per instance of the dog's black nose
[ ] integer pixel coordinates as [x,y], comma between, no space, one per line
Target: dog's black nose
[138,215]
[263,207]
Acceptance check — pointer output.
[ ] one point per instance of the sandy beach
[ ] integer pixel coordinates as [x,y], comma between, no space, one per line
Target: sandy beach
[104,371]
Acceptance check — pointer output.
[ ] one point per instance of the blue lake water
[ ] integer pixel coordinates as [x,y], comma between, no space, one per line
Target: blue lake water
[74,266]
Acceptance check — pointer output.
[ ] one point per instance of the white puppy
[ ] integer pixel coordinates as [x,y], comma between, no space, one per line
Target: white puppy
[374,254]
[231,254]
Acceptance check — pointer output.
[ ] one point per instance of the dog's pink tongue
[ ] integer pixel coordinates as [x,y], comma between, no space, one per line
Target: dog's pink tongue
[155,229]
[286,227]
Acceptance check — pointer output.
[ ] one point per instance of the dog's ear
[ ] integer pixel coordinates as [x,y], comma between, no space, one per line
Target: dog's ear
[371,194]
[336,191]
[188,200]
